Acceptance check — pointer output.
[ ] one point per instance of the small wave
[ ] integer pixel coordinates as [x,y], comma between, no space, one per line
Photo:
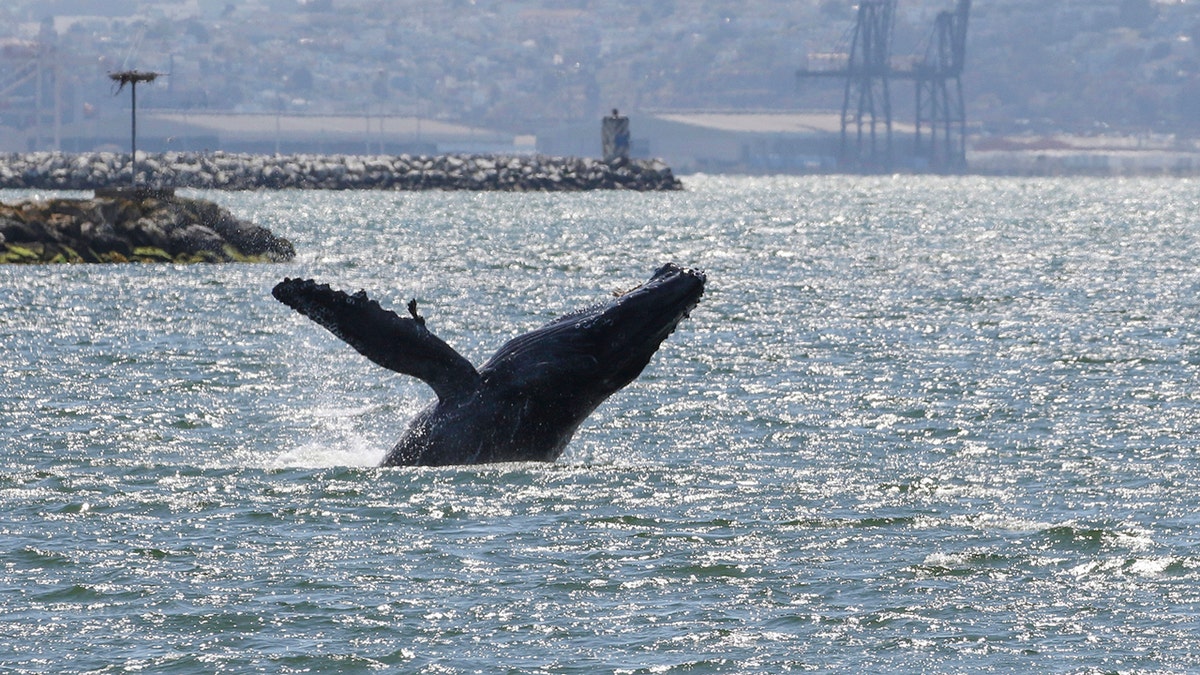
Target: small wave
[1085,539]
[962,563]
[38,558]
[1155,566]
[77,593]
[1148,567]
[884,521]
[356,452]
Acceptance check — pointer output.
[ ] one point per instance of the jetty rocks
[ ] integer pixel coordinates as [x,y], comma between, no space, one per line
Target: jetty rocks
[125,225]
[230,171]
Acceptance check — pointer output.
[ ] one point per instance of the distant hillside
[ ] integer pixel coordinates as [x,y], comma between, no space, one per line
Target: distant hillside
[526,65]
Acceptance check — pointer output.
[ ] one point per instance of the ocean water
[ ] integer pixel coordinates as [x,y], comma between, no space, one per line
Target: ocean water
[916,425]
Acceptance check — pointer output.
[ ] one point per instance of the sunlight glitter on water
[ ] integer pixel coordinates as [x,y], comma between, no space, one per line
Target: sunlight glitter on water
[915,425]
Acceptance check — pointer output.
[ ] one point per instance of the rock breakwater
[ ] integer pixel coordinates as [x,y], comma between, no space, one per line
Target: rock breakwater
[133,226]
[89,171]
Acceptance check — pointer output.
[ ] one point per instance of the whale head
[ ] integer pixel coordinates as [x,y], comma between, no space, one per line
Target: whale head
[626,332]
[590,354]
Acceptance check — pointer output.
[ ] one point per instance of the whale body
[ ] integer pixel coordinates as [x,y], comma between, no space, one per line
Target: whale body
[526,402]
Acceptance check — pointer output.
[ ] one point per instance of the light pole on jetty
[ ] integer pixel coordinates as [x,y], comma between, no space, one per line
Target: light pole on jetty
[132,77]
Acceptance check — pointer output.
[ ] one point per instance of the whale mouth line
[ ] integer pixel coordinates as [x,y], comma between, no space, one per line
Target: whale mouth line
[671,269]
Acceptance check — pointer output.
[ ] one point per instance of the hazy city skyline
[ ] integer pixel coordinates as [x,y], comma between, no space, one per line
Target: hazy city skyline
[1125,65]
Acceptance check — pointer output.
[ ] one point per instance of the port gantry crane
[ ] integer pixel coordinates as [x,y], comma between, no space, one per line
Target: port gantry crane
[867,105]
[940,92]
[31,86]
[867,101]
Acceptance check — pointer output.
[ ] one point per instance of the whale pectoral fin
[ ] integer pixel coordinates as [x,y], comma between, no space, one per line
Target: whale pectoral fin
[399,344]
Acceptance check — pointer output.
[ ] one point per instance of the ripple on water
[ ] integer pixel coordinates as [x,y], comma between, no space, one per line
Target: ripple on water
[916,425]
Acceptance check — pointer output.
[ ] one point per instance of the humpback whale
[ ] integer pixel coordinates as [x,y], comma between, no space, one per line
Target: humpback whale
[526,402]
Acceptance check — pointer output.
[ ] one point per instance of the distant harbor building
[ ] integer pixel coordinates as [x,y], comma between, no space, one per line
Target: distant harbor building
[614,137]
